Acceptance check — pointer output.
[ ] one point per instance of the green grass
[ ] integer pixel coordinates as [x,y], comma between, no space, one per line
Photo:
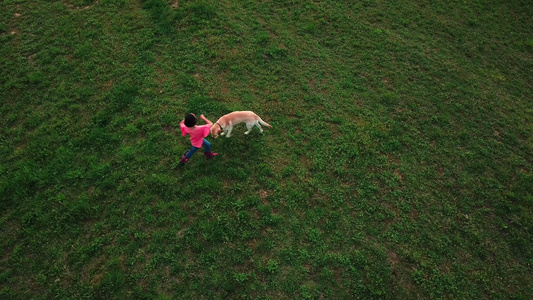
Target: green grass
[399,165]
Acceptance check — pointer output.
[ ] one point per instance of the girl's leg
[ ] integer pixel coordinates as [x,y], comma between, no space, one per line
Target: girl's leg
[191,152]
[207,146]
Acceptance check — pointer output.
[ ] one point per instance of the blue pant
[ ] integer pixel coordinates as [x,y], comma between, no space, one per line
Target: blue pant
[207,148]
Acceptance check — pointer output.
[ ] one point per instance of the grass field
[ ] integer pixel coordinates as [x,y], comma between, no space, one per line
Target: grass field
[399,165]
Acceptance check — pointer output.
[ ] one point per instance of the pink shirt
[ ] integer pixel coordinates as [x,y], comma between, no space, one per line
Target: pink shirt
[197,133]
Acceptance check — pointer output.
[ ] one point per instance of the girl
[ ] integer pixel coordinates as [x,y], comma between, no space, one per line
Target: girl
[197,135]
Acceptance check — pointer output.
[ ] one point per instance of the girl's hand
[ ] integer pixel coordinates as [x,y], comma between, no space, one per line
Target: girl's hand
[206,120]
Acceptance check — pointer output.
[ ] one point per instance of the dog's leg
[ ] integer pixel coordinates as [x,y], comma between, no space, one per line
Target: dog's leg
[259,126]
[228,133]
[250,126]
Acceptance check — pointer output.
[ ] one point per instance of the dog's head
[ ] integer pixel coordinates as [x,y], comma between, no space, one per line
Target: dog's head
[216,129]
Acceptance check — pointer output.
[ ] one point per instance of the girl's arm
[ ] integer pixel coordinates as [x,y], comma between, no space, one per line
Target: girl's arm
[182,127]
[206,120]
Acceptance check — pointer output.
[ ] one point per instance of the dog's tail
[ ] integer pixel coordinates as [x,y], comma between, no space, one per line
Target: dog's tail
[264,123]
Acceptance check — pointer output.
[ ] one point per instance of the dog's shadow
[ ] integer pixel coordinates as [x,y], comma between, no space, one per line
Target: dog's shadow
[240,147]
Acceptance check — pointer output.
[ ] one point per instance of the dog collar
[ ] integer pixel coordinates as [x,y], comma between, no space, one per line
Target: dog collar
[219,126]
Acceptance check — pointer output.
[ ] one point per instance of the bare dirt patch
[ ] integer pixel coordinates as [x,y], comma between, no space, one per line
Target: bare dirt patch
[167,128]
[393,258]
[263,194]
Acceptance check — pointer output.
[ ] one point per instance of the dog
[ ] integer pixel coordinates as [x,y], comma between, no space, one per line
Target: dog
[224,125]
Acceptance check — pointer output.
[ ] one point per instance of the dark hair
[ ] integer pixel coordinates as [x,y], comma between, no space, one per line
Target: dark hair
[190,120]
